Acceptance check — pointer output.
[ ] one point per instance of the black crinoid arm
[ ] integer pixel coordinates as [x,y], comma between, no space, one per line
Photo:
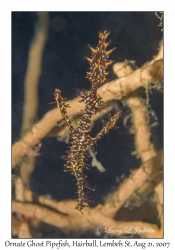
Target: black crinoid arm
[81,140]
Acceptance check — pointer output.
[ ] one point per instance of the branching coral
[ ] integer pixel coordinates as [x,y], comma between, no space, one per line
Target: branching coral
[62,214]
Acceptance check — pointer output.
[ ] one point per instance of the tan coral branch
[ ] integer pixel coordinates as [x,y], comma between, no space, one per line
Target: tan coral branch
[90,220]
[33,73]
[117,199]
[31,82]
